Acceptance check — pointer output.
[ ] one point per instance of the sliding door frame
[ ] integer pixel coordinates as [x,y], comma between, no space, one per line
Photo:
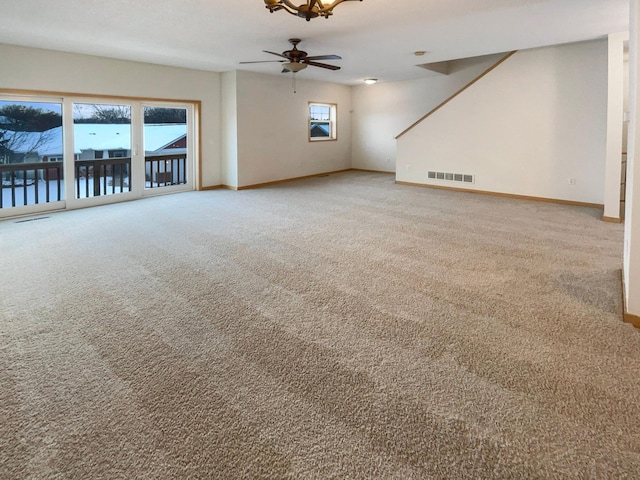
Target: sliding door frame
[16,96]
[192,177]
[67,100]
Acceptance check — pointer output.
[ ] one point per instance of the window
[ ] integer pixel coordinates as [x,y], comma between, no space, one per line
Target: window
[322,121]
[30,135]
[103,129]
[103,160]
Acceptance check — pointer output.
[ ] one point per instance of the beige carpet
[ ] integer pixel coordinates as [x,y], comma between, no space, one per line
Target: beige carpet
[335,327]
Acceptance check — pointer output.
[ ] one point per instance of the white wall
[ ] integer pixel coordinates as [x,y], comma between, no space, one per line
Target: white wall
[24,68]
[625,130]
[615,124]
[631,262]
[383,110]
[526,128]
[229,129]
[273,139]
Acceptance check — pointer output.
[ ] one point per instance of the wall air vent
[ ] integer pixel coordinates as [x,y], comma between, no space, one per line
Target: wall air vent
[451,177]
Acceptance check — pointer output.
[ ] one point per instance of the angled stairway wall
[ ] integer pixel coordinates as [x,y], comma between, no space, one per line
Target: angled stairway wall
[534,126]
[382,111]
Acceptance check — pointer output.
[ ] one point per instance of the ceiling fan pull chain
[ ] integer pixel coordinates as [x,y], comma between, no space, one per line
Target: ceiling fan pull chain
[293,81]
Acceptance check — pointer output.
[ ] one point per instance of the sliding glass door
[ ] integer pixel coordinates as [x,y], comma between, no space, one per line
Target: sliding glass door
[167,137]
[31,155]
[58,153]
[102,149]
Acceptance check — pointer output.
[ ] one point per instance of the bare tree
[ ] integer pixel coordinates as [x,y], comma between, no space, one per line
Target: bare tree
[109,114]
[24,130]
[165,115]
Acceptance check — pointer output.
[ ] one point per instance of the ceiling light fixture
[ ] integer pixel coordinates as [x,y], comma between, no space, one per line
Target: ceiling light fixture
[294,67]
[310,9]
[370,81]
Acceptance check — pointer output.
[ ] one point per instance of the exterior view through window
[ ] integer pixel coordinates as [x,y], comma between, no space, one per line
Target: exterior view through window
[31,150]
[71,152]
[102,149]
[165,146]
[322,120]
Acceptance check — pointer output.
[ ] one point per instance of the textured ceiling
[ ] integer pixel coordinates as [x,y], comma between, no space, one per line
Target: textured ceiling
[376,38]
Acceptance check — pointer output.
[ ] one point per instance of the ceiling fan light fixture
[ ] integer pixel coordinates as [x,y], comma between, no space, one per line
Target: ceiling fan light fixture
[308,10]
[294,66]
[370,81]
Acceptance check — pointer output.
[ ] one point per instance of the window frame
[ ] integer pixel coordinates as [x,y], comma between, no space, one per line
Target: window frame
[333,122]
[67,100]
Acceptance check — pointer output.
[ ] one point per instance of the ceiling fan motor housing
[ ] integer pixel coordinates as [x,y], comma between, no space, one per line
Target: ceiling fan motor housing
[294,54]
[299,59]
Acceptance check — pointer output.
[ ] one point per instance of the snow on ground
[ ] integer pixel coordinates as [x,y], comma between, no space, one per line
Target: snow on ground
[30,191]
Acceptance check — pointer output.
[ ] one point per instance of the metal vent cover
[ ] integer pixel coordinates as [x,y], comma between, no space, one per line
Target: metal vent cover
[451,177]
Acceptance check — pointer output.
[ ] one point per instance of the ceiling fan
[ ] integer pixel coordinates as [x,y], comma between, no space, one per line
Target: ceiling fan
[295,60]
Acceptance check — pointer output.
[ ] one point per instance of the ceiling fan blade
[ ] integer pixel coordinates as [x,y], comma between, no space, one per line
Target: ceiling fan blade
[277,54]
[323,65]
[324,57]
[265,61]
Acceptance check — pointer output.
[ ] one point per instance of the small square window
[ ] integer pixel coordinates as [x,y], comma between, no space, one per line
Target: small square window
[322,121]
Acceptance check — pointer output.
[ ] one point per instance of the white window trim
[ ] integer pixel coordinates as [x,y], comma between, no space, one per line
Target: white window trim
[333,122]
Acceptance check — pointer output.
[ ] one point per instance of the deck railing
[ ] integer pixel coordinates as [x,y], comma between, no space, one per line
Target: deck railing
[102,176]
[164,170]
[17,178]
[42,182]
